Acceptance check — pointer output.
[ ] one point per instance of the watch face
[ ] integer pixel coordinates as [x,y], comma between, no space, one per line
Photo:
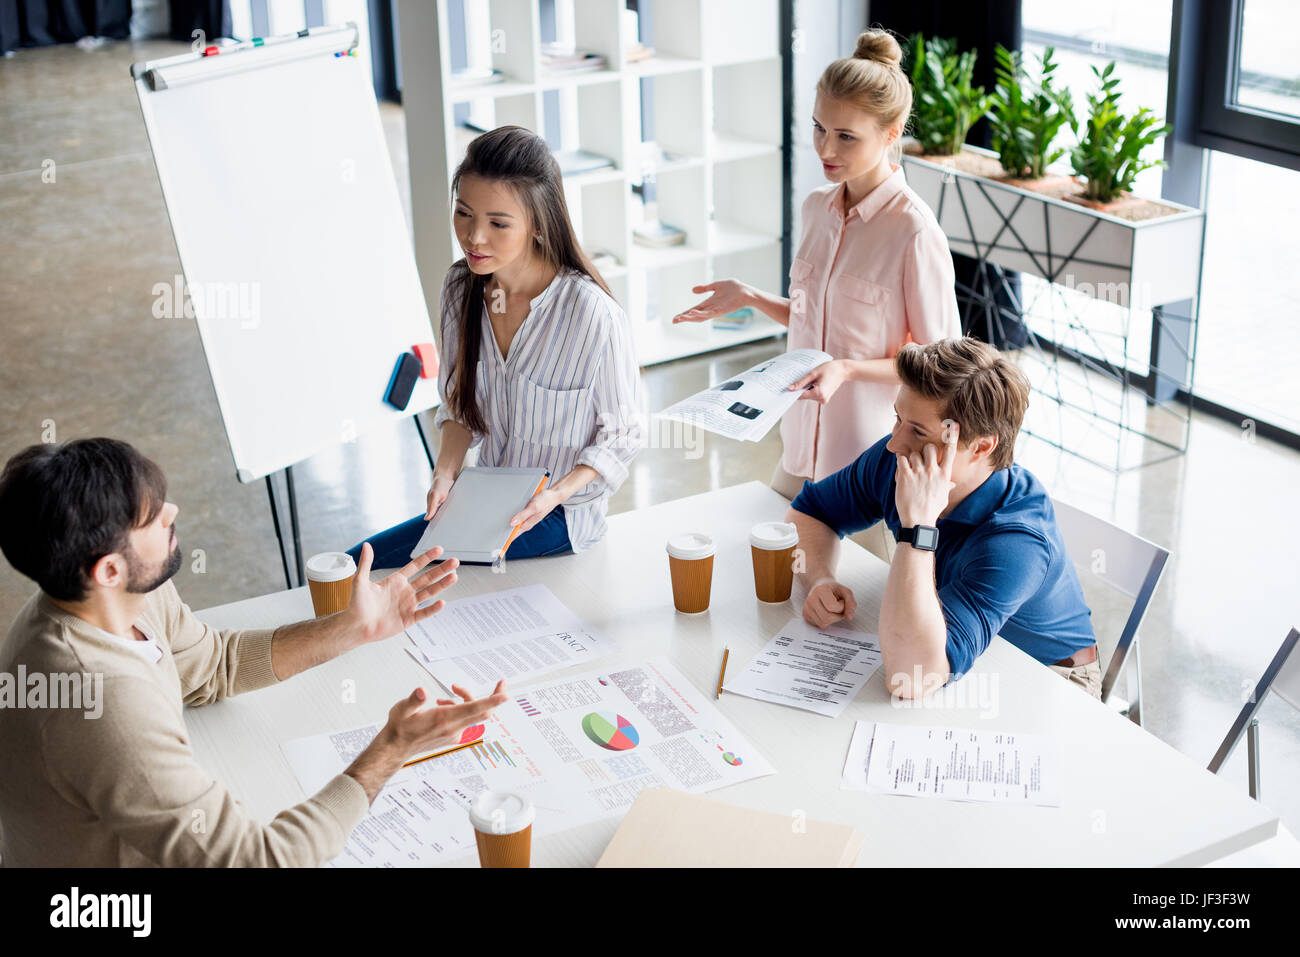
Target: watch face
[925,537]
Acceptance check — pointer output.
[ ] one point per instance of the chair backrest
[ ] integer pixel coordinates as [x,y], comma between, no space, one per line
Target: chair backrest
[1282,677]
[1126,562]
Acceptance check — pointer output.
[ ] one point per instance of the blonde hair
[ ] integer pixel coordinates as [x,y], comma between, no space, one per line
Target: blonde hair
[872,79]
[974,385]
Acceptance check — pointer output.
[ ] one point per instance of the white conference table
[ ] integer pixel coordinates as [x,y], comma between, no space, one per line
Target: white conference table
[1129,798]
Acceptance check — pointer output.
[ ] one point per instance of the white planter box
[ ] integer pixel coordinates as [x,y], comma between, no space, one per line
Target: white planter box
[1133,264]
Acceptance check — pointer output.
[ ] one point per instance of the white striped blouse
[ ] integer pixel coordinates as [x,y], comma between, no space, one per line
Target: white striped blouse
[568,394]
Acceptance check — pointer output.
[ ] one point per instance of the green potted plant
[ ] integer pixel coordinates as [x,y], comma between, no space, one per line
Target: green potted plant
[1026,116]
[946,103]
[1109,154]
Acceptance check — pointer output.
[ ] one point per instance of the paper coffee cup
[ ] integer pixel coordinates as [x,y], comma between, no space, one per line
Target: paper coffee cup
[503,828]
[690,562]
[772,545]
[329,578]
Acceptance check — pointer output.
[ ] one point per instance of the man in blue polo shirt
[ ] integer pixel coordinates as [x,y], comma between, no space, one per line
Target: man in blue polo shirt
[979,551]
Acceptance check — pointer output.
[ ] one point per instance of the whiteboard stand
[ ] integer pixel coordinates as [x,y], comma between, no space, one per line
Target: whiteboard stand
[290,232]
[294,529]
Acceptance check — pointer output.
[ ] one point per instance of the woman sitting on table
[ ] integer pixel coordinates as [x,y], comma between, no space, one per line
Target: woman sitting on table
[538,368]
[872,271]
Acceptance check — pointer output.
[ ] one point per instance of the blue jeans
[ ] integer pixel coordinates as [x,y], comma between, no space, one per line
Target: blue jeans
[393,546]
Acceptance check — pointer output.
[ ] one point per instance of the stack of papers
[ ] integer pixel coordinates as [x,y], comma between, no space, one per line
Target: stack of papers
[514,634]
[957,764]
[562,59]
[471,76]
[573,162]
[658,235]
[747,406]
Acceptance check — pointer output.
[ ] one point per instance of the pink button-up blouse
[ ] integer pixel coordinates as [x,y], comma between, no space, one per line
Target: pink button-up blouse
[861,286]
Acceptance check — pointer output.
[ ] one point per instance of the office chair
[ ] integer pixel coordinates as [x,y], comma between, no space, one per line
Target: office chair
[1129,564]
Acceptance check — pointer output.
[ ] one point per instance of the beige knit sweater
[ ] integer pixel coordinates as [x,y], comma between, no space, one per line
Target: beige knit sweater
[124,789]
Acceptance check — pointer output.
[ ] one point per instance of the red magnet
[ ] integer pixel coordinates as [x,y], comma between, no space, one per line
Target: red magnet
[428,356]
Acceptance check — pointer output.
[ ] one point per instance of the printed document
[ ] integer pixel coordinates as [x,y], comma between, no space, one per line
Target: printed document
[582,749]
[747,406]
[817,669]
[958,764]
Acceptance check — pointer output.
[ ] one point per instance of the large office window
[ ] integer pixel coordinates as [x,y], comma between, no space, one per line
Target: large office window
[1249,337]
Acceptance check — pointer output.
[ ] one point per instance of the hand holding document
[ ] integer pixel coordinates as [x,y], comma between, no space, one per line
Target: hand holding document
[816,669]
[958,764]
[747,406]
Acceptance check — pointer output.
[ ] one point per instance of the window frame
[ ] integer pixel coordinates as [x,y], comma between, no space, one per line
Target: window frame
[1225,125]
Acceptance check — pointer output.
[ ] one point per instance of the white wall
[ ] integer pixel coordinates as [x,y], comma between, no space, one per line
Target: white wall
[827,30]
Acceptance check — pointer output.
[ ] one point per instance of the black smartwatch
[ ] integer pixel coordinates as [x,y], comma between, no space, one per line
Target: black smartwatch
[924,537]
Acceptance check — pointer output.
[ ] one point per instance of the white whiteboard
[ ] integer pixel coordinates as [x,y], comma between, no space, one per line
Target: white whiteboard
[292,240]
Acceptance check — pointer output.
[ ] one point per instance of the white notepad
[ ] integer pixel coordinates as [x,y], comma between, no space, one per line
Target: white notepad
[473,524]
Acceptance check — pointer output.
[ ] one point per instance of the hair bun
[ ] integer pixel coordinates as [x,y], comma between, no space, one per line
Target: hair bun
[878,45]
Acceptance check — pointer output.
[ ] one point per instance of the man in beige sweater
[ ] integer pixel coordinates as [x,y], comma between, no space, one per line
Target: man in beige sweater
[96,767]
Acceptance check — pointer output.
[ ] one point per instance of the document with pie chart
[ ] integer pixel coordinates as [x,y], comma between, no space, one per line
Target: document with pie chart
[582,749]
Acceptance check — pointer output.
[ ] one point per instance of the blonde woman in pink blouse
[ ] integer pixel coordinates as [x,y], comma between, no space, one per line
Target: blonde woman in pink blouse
[872,272]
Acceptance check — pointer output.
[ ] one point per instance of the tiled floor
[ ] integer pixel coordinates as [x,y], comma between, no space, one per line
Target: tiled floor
[83,355]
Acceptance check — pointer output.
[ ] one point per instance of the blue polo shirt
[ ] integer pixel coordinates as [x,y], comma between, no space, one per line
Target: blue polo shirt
[1001,566]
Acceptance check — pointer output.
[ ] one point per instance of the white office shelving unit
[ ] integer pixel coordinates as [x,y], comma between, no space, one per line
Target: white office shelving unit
[716,80]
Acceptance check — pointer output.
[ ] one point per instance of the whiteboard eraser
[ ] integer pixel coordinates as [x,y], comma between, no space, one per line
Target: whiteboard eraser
[402,383]
[427,353]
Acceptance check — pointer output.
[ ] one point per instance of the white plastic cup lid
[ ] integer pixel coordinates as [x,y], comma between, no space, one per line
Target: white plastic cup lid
[691,546]
[774,536]
[331,567]
[501,812]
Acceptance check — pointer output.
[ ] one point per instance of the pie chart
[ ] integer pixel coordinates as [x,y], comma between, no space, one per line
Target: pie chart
[732,759]
[610,731]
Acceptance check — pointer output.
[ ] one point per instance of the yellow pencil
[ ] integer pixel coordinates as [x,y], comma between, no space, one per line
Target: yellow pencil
[722,674]
[438,754]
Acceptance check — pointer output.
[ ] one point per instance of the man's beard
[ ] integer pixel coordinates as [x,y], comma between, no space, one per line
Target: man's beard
[141,579]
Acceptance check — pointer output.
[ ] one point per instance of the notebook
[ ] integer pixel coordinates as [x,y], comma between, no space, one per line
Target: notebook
[667,828]
[473,524]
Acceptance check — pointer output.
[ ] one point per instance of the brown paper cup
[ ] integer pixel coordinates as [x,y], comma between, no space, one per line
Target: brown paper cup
[692,583]
[772,546]
[329,579]
[503,828]
[773,573]
[690,563]
[505,850]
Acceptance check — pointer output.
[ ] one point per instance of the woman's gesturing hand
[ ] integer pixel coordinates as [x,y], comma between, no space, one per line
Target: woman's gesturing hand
[728,296]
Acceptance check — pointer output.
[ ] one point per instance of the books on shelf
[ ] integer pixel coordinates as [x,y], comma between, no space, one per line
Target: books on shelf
[638,52]
[658,235]
[734,320]
[562,59]
[475,76]
[573,162]
[603,258]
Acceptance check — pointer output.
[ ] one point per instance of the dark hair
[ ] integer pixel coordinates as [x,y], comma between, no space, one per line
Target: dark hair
[520,159]
[974,385]
[64,507]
